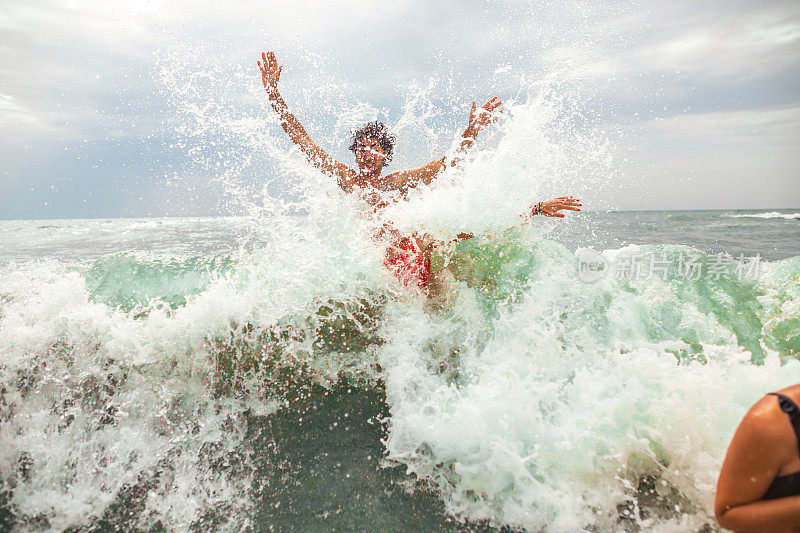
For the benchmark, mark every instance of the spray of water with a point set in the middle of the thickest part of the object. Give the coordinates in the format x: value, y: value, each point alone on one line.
x: 531, y: 400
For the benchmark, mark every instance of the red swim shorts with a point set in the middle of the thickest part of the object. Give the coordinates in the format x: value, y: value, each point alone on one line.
x: 409, y: 263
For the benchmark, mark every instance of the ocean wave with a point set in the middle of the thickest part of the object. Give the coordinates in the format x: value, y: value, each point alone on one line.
x: 127, y: 280
x: 531, y: 400
x: 771, y: 214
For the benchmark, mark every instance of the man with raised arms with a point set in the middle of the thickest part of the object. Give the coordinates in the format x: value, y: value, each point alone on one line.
x: 409, y: 256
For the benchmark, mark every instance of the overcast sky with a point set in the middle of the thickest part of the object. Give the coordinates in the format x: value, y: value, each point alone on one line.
x: 701, y: 98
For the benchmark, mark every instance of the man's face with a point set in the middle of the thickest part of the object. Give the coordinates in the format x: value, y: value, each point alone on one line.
x: 370, y: 155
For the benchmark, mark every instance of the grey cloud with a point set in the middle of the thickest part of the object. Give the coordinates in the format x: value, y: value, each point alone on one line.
x: 74, y: 72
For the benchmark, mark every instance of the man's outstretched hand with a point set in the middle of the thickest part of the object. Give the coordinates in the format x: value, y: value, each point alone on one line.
x: 270, y: 72
x: 481, y: 117
x: 552, y: 207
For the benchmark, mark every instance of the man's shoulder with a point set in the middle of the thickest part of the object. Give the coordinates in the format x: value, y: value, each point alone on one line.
x: 345, y: 177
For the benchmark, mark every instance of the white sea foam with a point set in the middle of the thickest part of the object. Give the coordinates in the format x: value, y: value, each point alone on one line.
x: 533, y: 400
x: 102, y: 402
x: 551, y: 417
x: 536, y: 400
x: 770, y: 214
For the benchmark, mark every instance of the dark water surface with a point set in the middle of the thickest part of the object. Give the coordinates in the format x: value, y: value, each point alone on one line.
x: 320, y: 468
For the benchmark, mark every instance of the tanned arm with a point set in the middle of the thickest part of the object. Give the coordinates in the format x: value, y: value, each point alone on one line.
x: 550, y: 208
x: 478, y: 120
x: 755, y: 455
x: 270, y: 74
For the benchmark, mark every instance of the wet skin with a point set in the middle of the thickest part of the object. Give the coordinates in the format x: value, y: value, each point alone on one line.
x: 371, y: 158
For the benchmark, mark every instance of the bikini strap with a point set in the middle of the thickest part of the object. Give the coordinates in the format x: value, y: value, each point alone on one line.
x: 791, y: 409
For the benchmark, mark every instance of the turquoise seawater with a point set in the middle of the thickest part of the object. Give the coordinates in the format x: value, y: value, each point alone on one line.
x: 195, y: 373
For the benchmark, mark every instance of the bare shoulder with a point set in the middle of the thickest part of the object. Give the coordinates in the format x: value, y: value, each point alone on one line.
x: 346, y: 177
x: 768, y: 407
x: 766, y: 421
x: 345, y: 172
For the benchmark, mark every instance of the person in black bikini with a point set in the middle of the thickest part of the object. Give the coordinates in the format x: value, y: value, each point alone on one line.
x: 759, y: 484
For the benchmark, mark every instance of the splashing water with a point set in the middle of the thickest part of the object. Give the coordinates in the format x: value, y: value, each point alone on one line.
x: 135, y: 385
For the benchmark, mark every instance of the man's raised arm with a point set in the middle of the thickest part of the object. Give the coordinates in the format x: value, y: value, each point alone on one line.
x: 270, y: 74
x: 478, y: 120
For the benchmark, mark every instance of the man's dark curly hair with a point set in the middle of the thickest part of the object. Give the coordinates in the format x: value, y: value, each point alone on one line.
x: 376, y: 130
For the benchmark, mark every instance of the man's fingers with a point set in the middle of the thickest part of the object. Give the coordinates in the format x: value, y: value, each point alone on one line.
x: 565, y: 200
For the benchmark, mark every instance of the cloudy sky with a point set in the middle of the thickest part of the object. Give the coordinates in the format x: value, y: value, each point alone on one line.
x: 99, y: 102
